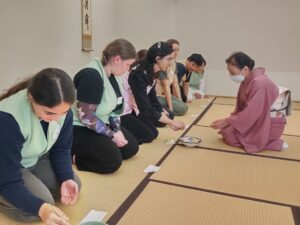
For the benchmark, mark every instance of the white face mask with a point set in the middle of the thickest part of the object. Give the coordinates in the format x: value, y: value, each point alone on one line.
x: 237, y: 78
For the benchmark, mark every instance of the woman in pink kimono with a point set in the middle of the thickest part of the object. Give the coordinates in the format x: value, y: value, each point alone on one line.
x: 251, y: 125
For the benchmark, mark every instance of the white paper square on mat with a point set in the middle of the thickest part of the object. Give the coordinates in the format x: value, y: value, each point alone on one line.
x: 170, y: 142
x: 151, y: 169
x: 93, y: 215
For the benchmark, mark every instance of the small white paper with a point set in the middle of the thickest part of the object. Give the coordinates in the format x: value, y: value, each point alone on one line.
x: 203, y: 106
x: 170, y: 142
x: 93, y: 215
x: 151, y: 169
x: 194, y: 115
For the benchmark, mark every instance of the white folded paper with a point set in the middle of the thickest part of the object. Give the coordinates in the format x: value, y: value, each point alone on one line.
x: 170, y: 141
x: 93, y: 215
x: 151, y: 169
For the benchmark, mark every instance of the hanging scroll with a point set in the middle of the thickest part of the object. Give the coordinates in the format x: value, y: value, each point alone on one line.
x: 86, y: 25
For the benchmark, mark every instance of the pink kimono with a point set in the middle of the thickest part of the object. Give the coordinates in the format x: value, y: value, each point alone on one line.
x: 251, y: 125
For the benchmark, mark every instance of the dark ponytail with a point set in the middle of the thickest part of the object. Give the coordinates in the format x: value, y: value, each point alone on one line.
x: 159, y: 49
x: 49, y: 88
x: 240, y: 59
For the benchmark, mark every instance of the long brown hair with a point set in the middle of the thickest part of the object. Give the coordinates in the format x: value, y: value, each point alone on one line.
x: 49, y: 87
x: 14, y: 89
x: 173, y: 41
x: 120, y: 47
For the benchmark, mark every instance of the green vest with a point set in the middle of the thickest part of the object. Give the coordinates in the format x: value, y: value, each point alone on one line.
x: 109, y: 99
x: 35, y: 143
x: 195, y: 80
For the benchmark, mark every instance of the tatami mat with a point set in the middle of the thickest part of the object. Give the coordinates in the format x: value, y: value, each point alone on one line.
x: 195, y: 109
x: 107, y: 192
x: 217, y: 111
x: 296, y: 105
x: 162, y: 204
x: 211, y: 139
x: 225, y: 101
x: 293, y: 123
x: 256, y: 177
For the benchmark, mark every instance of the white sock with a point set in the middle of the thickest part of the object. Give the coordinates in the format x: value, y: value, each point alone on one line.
x: 285, y: 145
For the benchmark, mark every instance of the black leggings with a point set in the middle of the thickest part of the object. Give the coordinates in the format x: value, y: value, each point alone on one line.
x: 154, y: 124
x: 139, y: 130
x: 171, y: 116
x: 98, y: 153
x: 183, y: 96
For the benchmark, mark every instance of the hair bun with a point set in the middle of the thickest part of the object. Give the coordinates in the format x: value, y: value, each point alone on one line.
x: 251, y: 64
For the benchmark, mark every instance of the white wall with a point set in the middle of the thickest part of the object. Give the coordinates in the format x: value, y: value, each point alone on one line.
x: 37, y: 33
x: 218, y: 83
x: 144, y: 22
x: 268, y: 30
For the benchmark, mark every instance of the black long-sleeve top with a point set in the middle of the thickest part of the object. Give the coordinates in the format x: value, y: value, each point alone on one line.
x: 147, y: 103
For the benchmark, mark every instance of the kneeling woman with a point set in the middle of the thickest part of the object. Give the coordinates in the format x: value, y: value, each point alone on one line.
x: 35, y: 148
x: 251, y: 125
x: 100, y: 142
x: 142, y: 80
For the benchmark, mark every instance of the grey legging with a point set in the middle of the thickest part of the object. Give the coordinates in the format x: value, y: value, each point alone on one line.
x: 42, y: 182
x: 179, y: 107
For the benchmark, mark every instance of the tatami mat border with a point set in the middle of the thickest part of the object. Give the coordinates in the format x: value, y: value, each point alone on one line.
x: 222, y: 193
x: 117, y: 216
x: 119, y: 213
x: 245, y: 153
x: 296, y: 215
x: 185, y: 132
x: 295, y: 209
